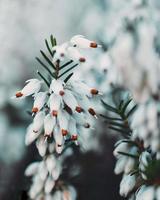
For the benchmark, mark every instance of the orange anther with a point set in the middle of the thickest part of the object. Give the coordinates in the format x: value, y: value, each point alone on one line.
x: 92, y: 111
x: 93, y: 45
x: 61, y: 92
x: 82, y: 59
x: 19, y: 94
x: 35, y: 109
x: 79, y: 109
x: 74, y: 137
x: 54, y: 113
x: 94, y: 91
x: 64, y: 132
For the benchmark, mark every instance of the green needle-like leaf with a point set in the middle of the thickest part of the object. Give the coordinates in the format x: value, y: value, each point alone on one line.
x: 67, y: 70
x: 47, y: 59
x: 108, y: 107
x: 43, y: 78
x: 120, y: 105
x: 126, y: 141
x: 53, y: 41
x: 111, y: 118
x: 119, y: 125
x: 68, y: 77
x: 47, y: 45
x: 63, y: 66
x: 128, y: 154
x: 125, y: 106
x: 132, y: 111
x: 45, y: 66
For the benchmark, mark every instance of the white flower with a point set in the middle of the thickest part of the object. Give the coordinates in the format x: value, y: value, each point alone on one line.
x: 58, y: 139
x: 158, y: 193
x: 69, y: 193
x: 42, y: 172
x: 50, y: 163
x: 39, y: 101
x: 127, y: 184
x: 120, y: 164
x: 60, y: 52
x: 63, y: 120
x: 57, y: 86
x: 36, y: 188
x: 30, y: 135
x: 54, y: 103
x: 57, y: 195
x: 81, y: 42
x: 73, y: 130
x: 49, y: 185
x: 70, y: 100
x: 38, y: 121
x: 56, y: 172
x: 144, y: 161
x: 122, y: 147
x: 32, y: 87
x: 41, y: 146
x: 49, y: 123
x: 83, y: 89
x: 75, y: 55
x: 32, y: 169
x: 146, y: 193
x: 87, y: 105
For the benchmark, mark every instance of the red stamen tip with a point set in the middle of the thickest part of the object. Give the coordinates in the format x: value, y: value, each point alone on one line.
x: 35, y: 109
x: 92, y: 111
x: 93, y: 45
x: 19, y: 94
x: 94, y: 91
x: 62, y: 54
x: 74, y: 137
x: 82, y: 59
x: 61, y: 92
x: 54, y: 113
x: 64, y: 132
x: 79, y: 109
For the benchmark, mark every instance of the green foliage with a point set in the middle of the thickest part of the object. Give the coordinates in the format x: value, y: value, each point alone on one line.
x: 54, y: 70
x: 120, y: 121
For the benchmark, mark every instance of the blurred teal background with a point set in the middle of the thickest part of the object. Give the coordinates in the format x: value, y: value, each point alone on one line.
x: 24, y: 24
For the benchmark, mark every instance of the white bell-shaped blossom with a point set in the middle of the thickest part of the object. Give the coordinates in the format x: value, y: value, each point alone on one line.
x: 41, y: 146
x: 127, y: 184
x: 32, y: 87
x: 49, y: 185
x: 63, y: 120
x: 38, y: 121
x: 81, y: 42
x: 58, y: 139
x: 30, y: 135
x: 83, y: 89
x: 70, y: 100
x: 39, y: 101
x: 74, y: 54
x: 60, y: 52
x: 146, y: 193
x: 49, y: 123
x: 32, y: 169
x: 57, y: 86
x: 54, y: 103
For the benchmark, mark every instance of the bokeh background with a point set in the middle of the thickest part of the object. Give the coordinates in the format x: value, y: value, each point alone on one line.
x: 24, y: 24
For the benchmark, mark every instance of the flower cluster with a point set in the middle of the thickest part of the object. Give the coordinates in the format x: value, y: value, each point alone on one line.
x: 135, y: 57
x: 60, y: 111
x: 59, y: 114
